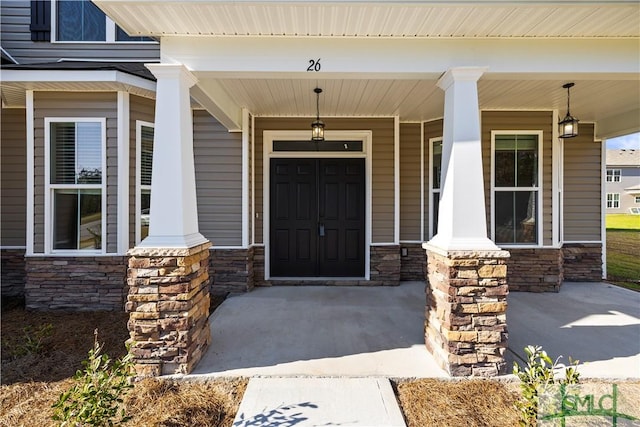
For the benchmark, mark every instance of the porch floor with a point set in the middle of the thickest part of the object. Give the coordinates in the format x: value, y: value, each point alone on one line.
x: 378, y: 331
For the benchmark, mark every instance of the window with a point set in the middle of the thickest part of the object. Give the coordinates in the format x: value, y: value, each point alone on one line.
x: 613, y: 200
x: 637, y: 199
x: 75, y: 184
x: 435, y: 169
x: 613, y: 175
x: 516, y: 187
x: 144, y: 155
x: 82, y: 21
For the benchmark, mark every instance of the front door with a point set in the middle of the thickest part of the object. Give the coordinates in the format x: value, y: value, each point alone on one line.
x: 317, y: 218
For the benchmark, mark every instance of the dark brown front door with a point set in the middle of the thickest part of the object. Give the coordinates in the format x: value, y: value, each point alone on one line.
x: 317, y: 218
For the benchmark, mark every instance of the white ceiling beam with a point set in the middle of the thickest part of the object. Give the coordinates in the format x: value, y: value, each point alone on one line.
x: 254, y: 57
x: 618, y: 125
x: 213, y: 98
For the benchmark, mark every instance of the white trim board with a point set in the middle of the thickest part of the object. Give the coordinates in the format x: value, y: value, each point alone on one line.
x: 366, y: 136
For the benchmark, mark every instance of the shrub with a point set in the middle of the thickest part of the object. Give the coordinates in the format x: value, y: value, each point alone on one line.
x: 97, y: 395
x: 538, y: 373
x: 32, y: 341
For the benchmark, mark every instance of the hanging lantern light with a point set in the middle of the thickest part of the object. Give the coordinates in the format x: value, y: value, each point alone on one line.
x: 568, y: 127
x: 317, y: 127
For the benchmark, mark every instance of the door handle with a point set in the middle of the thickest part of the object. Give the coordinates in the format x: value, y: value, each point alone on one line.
x: 321, y: 230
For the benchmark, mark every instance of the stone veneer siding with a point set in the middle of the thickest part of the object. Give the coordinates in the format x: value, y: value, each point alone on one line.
x: 231, y: 270
x: 582, y: 262
x: 75, y: 283
x: 12, y: 272
x: 168, y: 305
x: 385, y: 265
x: 466, y: 321
x: 535, y: 270
x: 413, y: 266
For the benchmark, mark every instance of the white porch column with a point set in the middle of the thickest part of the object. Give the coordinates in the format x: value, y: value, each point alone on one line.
x: 173, y: 221
x: 462, y: 216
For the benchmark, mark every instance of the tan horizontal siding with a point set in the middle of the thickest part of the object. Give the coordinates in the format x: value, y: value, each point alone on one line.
x: 410, y: 185
x: 218, y: 165
x: 521, y: 121
x: 382, y: 215
x: 13, y: 178
x: 582, y: 187
x: 142, y: 109
x: 76, y: 104
x: 432, y: 129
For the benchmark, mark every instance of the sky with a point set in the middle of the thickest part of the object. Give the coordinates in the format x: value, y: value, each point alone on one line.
x: 627, y: 141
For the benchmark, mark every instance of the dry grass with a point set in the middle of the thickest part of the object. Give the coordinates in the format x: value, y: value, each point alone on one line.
x: 432, y: 402
x: 31, y: 383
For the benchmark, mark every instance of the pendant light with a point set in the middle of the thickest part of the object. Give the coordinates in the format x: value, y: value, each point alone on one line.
x: 317, y: 127
x: 568, y: 127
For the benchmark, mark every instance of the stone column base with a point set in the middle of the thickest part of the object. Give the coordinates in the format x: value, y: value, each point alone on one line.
x: 466, y: 323
x: 168, y: 302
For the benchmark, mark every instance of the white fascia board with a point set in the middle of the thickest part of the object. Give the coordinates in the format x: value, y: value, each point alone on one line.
x: 238, y: 57
x: 219, y: 104
x: 76, y: 76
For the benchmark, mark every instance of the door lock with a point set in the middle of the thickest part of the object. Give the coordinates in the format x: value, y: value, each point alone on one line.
x: 321, y: 229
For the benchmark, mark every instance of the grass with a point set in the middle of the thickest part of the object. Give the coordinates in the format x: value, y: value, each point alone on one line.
x: 622, y: 222
x: 31, y: 382
x: 623, y: 247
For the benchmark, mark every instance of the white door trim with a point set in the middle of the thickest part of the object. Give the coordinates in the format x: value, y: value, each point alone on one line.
x: 268, y: 137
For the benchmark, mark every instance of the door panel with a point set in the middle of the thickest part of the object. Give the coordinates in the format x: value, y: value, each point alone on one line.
x: 318, y: 217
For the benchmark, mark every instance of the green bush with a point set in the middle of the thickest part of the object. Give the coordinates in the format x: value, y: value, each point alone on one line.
x: 96, y: 397
x: 538, y: 373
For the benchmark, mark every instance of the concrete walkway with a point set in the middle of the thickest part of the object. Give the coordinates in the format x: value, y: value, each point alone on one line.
x: 324, y: 355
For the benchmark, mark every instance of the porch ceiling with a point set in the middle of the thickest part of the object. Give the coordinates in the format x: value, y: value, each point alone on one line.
x: 377, y: 18
x: 414, y: 100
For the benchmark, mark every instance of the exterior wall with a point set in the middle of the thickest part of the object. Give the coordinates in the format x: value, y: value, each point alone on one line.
x: 75, y: 283
x: 382, y: 215
x: 13, y: 273
x: 582, y: 262
x: 13, y: 166
x: 521, y: 121
x: 410, y: 182
x: 76, y: 104
x: 535, y: 269
x: 15, y: 19
x: 218, y: 165
x: 231, y: 270
x: 142, y: 109
x: 582, y: 200
x: 629, y: 177
x: 412, y: 265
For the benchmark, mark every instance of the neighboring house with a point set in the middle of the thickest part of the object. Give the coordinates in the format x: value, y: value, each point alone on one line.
x: 623, y: 181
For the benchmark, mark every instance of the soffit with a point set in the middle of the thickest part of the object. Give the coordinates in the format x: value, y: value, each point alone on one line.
x: 415, y: 100
x: 438, y: 19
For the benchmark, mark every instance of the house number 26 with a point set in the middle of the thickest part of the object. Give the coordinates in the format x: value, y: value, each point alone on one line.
x: 314, y: 65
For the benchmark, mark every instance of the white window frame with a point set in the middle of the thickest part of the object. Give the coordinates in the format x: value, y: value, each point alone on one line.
x: 615, y: 176
x: 539, y: 188
x: 50, y: 188
x: 636, y: 199
x: 614, y: 203
x: 110, y: 31
x: 139, y: 186
x: 432, y: 191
